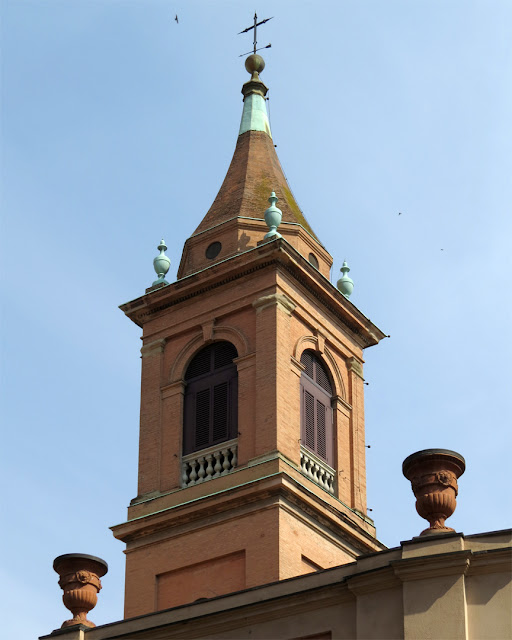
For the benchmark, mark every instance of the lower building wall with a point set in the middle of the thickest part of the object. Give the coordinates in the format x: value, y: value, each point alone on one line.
x: 489, y: 603
x: 337, y: 621
x: 445, y: 587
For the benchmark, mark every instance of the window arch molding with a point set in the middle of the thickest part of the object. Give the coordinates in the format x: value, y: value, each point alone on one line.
x: 311, y: 342
x: 224, y: 332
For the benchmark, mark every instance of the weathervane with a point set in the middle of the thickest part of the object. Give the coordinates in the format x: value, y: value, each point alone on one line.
x: 255, y: 43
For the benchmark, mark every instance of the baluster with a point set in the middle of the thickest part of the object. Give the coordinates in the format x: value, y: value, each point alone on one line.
x: 184, y: 477
x: 209, y: 468
x: 225, y: 463
x: 193, y: 473
x: 218, y: 466
x: 201, y: 473
x: 234, y: 459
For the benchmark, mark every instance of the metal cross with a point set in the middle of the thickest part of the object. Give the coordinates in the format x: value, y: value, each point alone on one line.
x: 255, y: 42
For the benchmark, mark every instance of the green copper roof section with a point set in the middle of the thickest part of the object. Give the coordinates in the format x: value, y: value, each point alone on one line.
x: 254, y: 115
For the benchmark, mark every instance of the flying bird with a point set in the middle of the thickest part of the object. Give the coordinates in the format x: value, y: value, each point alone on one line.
x: 176, y: 18
x: 399, y: 213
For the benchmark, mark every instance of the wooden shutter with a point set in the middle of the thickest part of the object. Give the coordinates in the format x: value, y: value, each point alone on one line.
x: 203, y: 412
x: 309, y: 420
x: 316, y: 413
x: 211, y: 398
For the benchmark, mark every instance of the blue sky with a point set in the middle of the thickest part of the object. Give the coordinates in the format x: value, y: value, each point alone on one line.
x: 118, y: 126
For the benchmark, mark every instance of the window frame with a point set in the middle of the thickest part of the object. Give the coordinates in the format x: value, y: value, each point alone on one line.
x: 227, y: 374
x: 322, y: 446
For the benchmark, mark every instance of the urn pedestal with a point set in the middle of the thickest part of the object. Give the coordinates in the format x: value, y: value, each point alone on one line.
x: 80, y: 580
x: 433, y: 474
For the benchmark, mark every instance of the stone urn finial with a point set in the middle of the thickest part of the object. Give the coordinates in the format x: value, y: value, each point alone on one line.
x: 345, y: 284
x: 273, y: 217
x: 433, y: 474
x: 161, y: 265
x: 80, y: 580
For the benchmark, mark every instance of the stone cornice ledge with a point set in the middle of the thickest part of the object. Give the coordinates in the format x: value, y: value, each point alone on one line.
x: 491, y: 561
x: 373, y: 580
x: 444, y: 564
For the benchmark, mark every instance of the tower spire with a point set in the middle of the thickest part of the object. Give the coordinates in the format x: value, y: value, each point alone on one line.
x: 254, y: 173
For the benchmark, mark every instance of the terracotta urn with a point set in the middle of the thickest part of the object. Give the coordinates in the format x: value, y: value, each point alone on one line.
x: 80, y: 580
x: 433, y: 474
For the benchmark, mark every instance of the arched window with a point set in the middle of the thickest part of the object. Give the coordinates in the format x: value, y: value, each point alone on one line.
x: 211, y: 397
x: 316, y: 412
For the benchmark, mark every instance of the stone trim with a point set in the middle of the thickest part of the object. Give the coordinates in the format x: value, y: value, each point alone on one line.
x: 153, y: 348
x: 208, y: 329
x: 320, y: 341
x: 490, y: 561
x: 172, y: 389
x: 297, y: 367
x: 424, y: 567
x: 342, y: 405
x: 354, y: 365
x: 374, y: 580
x: 274, y: 299
x: 244, y: 362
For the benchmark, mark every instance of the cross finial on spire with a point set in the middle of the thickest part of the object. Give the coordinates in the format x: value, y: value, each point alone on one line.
x: 255, y: 41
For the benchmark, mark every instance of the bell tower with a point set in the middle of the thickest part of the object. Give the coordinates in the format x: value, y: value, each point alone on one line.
x: 251, y: 452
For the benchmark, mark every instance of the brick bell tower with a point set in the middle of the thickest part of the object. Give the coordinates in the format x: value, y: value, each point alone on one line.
x: 251, y: 455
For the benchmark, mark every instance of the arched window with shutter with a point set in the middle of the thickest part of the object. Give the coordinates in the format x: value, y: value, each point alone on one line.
x: 316, y: 411
x: 211, y: 398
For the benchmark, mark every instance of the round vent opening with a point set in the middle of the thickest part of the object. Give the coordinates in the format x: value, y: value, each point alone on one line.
x: 213, y: 250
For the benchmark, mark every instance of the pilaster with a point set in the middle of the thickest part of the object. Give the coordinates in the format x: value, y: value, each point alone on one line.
x: 434, y: 595
x: 275, y: 410
x: 149, y: 440
x: 357, y: 445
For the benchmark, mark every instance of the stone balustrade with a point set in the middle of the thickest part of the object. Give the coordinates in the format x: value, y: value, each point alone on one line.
x: 210, y: 463
x: 317, y: 470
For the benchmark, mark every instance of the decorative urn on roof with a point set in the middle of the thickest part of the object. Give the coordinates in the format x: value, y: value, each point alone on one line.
x: 433, y: 474
x: 80, y: 580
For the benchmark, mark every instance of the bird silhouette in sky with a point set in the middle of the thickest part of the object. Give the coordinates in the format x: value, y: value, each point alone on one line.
x: 399, y: 213
x: 176, y: 18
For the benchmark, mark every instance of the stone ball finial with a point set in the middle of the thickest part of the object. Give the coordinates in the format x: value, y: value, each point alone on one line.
x: 161, y: 264
x: 254, y: 63
x: 79, y: 578
x: 273, y: 217
x: 345, y: 284
x: 433, y: 474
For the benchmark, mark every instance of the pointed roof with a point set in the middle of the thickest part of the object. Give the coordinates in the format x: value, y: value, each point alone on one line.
x: 255, y: 170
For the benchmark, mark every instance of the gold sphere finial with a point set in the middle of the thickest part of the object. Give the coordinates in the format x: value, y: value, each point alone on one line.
x: 254, y: 63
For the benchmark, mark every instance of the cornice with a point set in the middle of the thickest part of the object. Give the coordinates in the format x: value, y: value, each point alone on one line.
x: 374, y: 580
x: 421, y: 567
x: 491, y: 561
x: 275, y: 253
x: 251, y: 495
